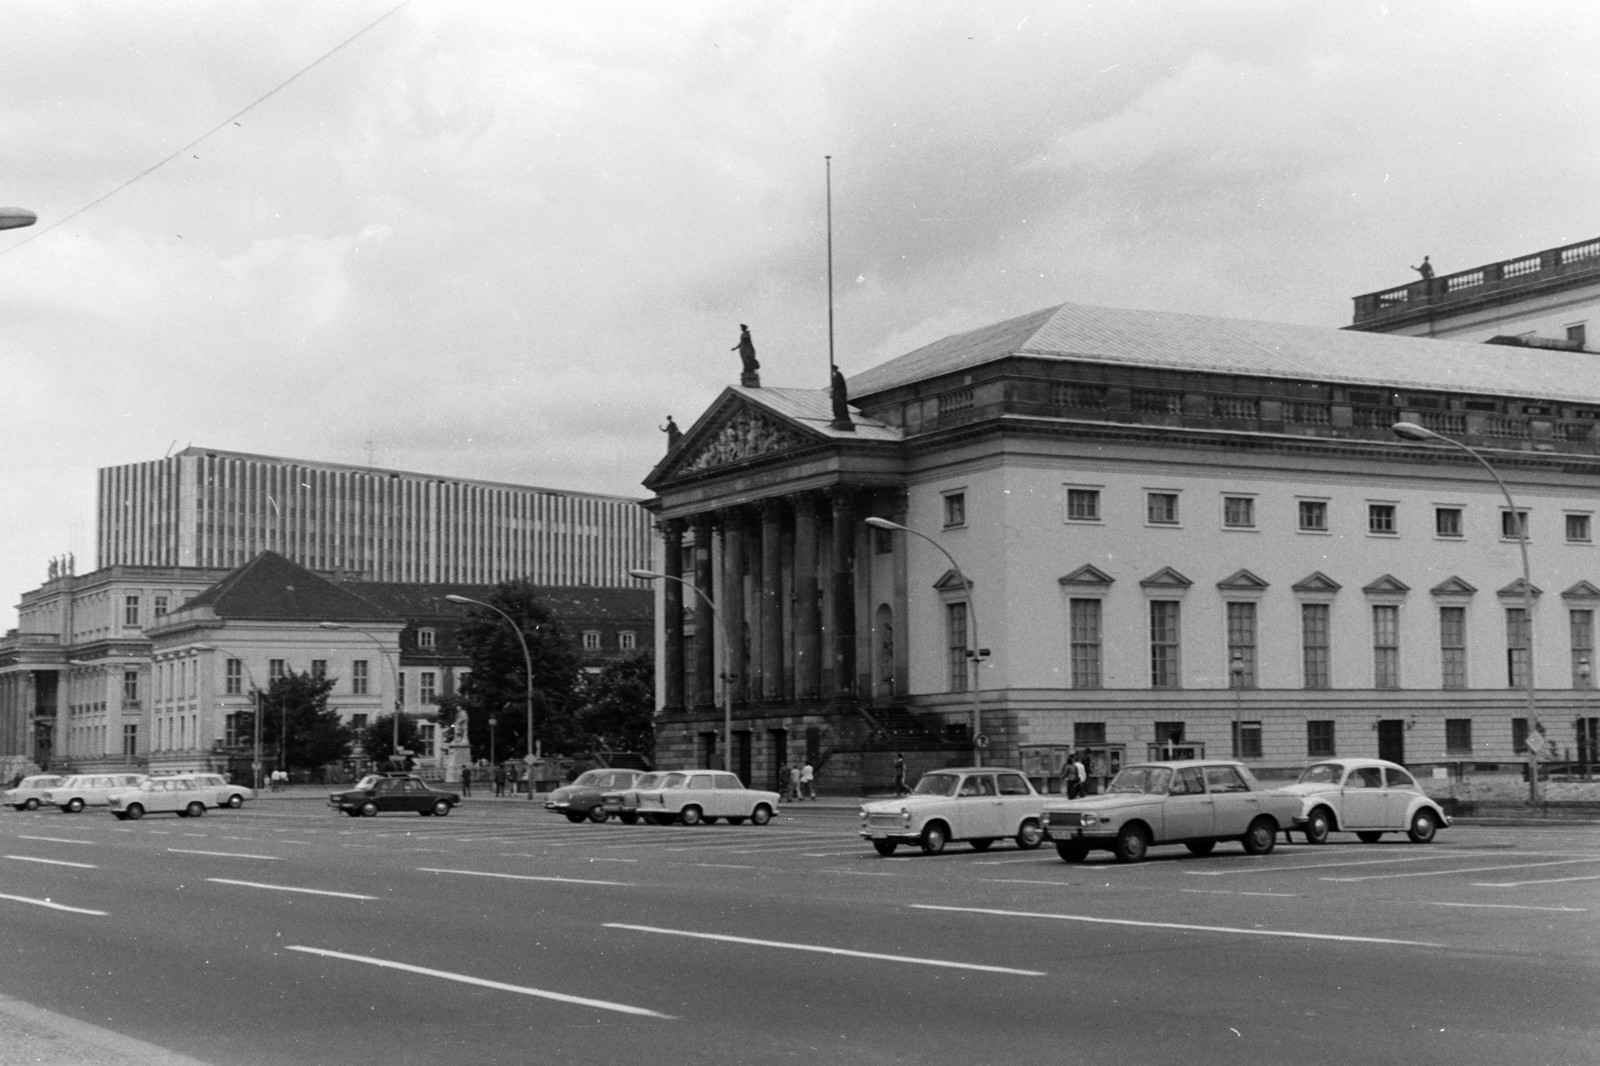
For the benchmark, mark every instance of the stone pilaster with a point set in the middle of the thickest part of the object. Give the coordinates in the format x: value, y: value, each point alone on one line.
x: 808, y: 619
x: 842, y: 633
x: 705, y: 624
x: 731, y: 602
x: 672, y: 612
x: 771, y: 602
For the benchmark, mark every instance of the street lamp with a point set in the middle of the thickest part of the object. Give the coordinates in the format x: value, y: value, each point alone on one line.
x: 727, y: 660
x: 976, y: 654
x: 527, y: 661
x: 16, y: 217
x: 492, y: 763
x: 255, y: 712
x: 394, y: 674
x: 1412, y: 432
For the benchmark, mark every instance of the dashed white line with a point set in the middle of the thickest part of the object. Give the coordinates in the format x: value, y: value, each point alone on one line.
x: 1255, y: 869
x: 859, y: 873
x: 724, y: 866
x: 1231, y: 892
x: 1178, y: 925
x: 821, y: 949
x: 1468, y: 870
x: 54, y: 840
x: 52, y: 906
x: 54, y: 862
x: 289, y: 888
x: 523, y: 877
x: 1519, y: 884
x: 559, y: 997
x: 1508, y: 906
x: 225, y: 854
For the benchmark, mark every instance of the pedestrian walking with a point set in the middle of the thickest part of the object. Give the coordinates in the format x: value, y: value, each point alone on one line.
x: 499, y: 780
x: 1079, y: 776
x: 784, y: 775
x: 807, y: 774
x: 466, y: 781
x: 899, y: 774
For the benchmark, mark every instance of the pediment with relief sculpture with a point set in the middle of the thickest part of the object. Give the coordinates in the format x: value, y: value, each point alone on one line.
x: 745, y: 432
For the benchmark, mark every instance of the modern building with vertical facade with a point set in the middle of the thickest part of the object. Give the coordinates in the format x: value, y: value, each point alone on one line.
x: 1182, y: 535
x: 208, y: 508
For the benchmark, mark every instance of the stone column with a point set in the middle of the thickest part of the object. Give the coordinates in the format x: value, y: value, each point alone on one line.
x: 672, y: 613
x: 771, y: 602
x: 731, y: 601
x: 705, y: 624
x: 808, y: 620
x: 843, y: 630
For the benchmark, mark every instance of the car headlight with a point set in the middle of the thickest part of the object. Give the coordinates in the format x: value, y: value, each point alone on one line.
x: 1089, y: 819
x: 905, y: 815
x: 863, y: 816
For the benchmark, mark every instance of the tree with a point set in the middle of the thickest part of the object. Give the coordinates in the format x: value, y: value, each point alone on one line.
x: 618, y: 708
x: 377, y: 740
x: 299, y: 703
x: 497, y: 686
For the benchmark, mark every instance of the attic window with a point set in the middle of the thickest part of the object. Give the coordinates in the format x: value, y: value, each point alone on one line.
x: 426, y: 638
x: 1481, y: 405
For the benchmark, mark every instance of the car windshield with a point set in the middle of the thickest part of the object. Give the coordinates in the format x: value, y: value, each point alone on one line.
x: 370, y: 781
x: 936, y: 785
x: 648, y: 781
x: 593, y: 777
x: 1322, y: 773
x: 1150, y: 780
x: 673, y: 781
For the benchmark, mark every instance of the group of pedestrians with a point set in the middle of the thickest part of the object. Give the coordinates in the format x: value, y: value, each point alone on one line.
x: 277, y: 780
x: 796, y: 784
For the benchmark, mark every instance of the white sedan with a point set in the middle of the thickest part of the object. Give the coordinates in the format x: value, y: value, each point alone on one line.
x: 176, y: 795
x: 31, y: 791
x: 1369, y: 797
x: 700, y: 797
x: 979, y: 805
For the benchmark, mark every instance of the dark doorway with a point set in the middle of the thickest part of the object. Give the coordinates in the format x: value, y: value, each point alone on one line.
x: 708, y: 751
x: 780, y: 754
x: 741, y: 756
x: 1588, y: 743
x: 1392, y: 740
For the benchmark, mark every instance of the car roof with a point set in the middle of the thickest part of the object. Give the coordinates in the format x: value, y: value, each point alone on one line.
x: 1176, y: 764
x: 975, y: 770
x: 1356, y: 762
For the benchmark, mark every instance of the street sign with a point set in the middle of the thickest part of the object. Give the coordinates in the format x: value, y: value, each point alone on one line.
x: 529, y: 759
x: 981, y: 740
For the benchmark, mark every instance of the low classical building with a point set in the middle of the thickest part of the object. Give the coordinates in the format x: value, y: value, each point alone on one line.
x: 1174, y: 534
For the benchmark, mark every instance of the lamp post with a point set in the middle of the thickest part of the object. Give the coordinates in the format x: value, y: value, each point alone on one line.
x: 394, y: 675
x: 255, y: 710
x: 1410, y: 431
x: 527, y: 661
x: 727, y: 661
x: 492, y: 763
x: 977, y: 653
x: 16, y: 217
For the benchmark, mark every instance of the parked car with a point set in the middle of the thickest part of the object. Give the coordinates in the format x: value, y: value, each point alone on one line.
x: 393, y: 792
x: 977, y: 804
x: 700, y: 797
x: 624, y: 803
x: 584, y: 798
x: 88, y: 790
x: 220, y: 792
x: 1193, y: 802
x: 1369, y: 797
x: 180, y: 795
x: 30, y: 791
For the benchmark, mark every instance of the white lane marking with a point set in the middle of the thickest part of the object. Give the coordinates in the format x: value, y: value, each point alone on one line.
x: 294, y: 842
x: 54, y: 862
x: 612, y: 860
x: 225, y: 854
x: 1230, y: 892
x: 829, y: 854
x: 196, y: 834
x: 559, y: 997
x: 1021, y: 881
x: 1506, y: 906
x: 1312, y: 866
x: 374, y: 847
x: 159, y: 832
x: 57, y: 840
x: 826, y: 950
x: 724, y: 866
x: 1179, y: 925
x: 1469, y: 870
x: 523, y: 877
x: 1519, y: 884
x: 1008, y: 862
x: 247, y: 840
x: 858, y: 873
x: 289, y: 888
x: 52, y: 906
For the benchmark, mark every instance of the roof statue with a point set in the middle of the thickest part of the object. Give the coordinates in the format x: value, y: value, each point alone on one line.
x: 748, y: 376
x: 674, y: 434
x: 841, y: 404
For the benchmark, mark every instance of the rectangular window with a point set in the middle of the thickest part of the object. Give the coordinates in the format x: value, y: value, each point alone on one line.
x: 358, y: 721
x: 1578, y: 334
x: 130, y: 739
x: 1385, y: 646
x: 1246, y: 740
x: 161, y: 606
x: 626, y: 640
x: 425, y: 687
x: 233, y: 730
x: 956, y: 642
x: 1453, y: 646
x: 1582, y: 623
x: 1083, y: 505
x: 1164, y: 646
x: 1314, y: 516
x: 130, y: 610
x: 1447, y: 522
x: 1509, y: 525
x: 234, y: 679
x: 1239, y: 512
x: 275, y: 669
x: 1241, y: 645
x: 319, y: 669
x: 1380, y: 519
x: 955, y: 509
x: 1314, y: 645
x: 882, y: 541
x: 1519, y: 735
x: 1458, y: 736
x: 1516, y: 647
x: 591, y: 640
x: 1319, y: 739
x: 427, y: 637
x: 1578, y: 529
x: 1169, y: 732
x: 1086, y: 644
x: 130, y: 686
x: 358, y: 677
x: 1086, y: 733
x: 1161, y: 508
x: 400, y: 693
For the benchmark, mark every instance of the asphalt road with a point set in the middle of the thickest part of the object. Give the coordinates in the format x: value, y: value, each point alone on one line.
x: 284, y: 933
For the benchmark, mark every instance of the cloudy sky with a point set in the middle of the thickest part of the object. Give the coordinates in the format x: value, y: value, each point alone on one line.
x: 504, y: 240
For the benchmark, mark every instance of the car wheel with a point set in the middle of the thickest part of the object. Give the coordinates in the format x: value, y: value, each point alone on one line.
x: 1319, y: 825
x: 981, y: 844
x: 74, y: 805
x: 195, y: 809
x: 369, y: 809
x: 236, y: 801
x: 19, y: 806
x: 32, y: 805
x: 1030, y: 835
x: 629, y: 817
x: 1423, y: 825
x: 441, y: 807
x: 934, y: 838
x: 690, y: 815
x: 597, y: 814
x: 353, y: 814
x: 885, y: 847
x: 135, y: 811
x: 575, y: 816
x: 120, y: 816
x: 1072, y: 850
x: 761, y: 815
x: 1201, y: 847
x: 1369, y: 836
x: 1261, y: 837
x: 1131, y: 844
x: 735, y: 821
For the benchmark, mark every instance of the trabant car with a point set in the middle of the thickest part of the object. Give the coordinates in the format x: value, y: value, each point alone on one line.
x: 977, y: 804
x: 180, y: 795
x: 30, y: 791
x: 700, y: 797
x: 393, y: 792
x: 584, y: 798
x: 624, y: 803
x: 88, y: 790
x: 219, y: 792
x: 1192, y: 802
x: 1369, y: 797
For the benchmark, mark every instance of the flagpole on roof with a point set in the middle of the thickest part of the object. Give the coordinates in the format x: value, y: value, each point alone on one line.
x: 827, y: 161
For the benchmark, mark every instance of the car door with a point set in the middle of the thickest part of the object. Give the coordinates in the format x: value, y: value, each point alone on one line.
x: 1400, y: 790
x: 978, y: 808
x: 1018, y: 801
x: 700, y: 791
x: 1234, y: 806
x: 389, y: 795
x: 1187, y: 812
x: 1363, y: 801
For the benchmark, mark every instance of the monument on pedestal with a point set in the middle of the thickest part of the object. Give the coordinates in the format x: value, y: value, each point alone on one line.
x: 457, y: 748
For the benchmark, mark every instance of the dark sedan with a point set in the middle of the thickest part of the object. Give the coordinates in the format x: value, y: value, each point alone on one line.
x: 582, y: 798
x: 393, y: 792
